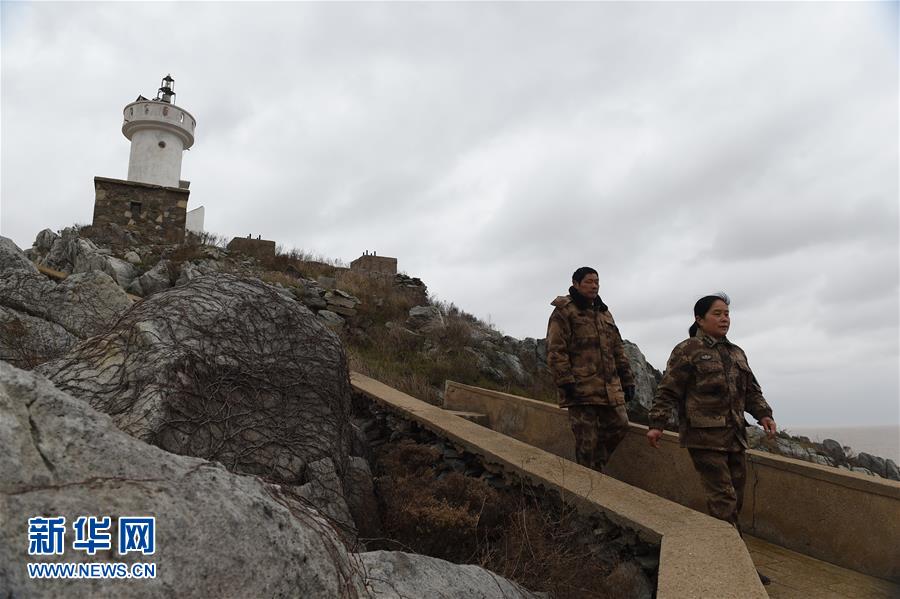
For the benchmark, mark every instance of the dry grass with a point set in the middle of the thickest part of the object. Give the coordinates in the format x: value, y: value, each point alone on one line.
x: 464, y: 520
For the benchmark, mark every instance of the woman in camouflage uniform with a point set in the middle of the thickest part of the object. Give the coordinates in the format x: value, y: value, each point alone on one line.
x: 709, y: 382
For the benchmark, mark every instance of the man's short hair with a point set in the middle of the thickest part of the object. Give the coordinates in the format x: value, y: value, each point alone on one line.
x: 582, y: 273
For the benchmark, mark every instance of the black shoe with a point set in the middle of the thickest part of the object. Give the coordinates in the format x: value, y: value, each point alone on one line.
x: 763, y: 578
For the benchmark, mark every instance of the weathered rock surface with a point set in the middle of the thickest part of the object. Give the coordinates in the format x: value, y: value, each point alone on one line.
x: 425, y: 318
x: 396, y: 575
x: 221, y: 368
x: 72, y: 254
x: 12, y: 258
x: 26, y: 341
x: 645, y: 379
x: 83, y: 304
x: 153, y: 281
x: 42, y: 319
x: 217, y: 534
x: 834, y: 450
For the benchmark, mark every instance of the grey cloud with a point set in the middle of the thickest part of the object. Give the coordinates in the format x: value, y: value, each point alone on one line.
x: 494, y: 147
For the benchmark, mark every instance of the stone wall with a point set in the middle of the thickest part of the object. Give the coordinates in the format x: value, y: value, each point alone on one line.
x: 156, y: 213
x: 258, y: 248
x: 375, y: 264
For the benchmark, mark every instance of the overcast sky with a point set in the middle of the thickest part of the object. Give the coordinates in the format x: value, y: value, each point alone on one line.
x: 678, y: 148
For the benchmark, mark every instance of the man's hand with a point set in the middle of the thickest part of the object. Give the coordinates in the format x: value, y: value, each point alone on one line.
x: 629, y: 393
x: 769, y: 426
x: 653, y: 436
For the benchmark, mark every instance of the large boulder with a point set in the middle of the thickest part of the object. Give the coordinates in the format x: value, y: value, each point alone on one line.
x: 12, y: 258
x: 26, y: 341
x: 154, y: 280
x: 834, y: 450
x: 872, y: 462
x: 70, y: 253
x: 425, y: 319
x: 645, y: 379
x: 221, y: 368
x: 216, y: 534
x: 396, y: 575
x: 83, y: 304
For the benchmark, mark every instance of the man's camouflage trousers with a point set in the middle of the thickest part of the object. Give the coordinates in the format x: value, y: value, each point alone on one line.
x: 598, y: 430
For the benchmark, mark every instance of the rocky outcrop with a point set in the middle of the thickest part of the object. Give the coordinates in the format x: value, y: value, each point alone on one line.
x: 71, y: 254
x: 396, y: 575
x: 12, y: 258
x: 425, y: 318
x: 645, y: 378
x: 83, y: 304
x: 40, y: 319
x: 156, y: 279
x: 217, y: 534
x: 221, y: 368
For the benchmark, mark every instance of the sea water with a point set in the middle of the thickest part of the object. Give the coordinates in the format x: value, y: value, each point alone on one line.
x: 881, y: 440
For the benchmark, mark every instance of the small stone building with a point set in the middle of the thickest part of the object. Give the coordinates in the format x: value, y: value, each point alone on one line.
x: 371, y: 263
x: 155, y: 212
x: 258, y: 248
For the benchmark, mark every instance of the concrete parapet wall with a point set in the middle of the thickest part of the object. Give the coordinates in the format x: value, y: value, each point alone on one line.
x: 700, y: 557
x: 842, y: 517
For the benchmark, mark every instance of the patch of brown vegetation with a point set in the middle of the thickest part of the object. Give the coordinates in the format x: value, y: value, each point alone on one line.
x: 464, y: 520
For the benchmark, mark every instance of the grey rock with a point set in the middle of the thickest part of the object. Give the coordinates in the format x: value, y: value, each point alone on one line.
x: 834, y: 450
x: 861, y: 470
x: 132, y: 257
x: 359, y: 492
x: 87, y: 257
x: 13, y: 258
x: 397, y: 575
x: 821, y: 460
x: 26, y: 341
x: 645, y: 379
x: 425, y: 318
x: 216, y: 534
x: 891, y: 470
x: 341, y: 299
x: 189, y: 272
x: 153, y: 281
x: 44, y: 241
x: 330, y: 319
x: 871, y: 462
x: 326, y: 282
x: 515, y: 368
x: 341, y: 310
x: 221, y: 368
x: 83, y: 304
x: 325, y: 491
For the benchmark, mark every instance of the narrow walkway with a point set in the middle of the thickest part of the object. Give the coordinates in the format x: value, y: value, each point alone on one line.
x: 798, y: 576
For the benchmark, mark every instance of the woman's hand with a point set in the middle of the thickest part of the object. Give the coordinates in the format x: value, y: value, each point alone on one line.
x: 653, y: 436
x: 769, y: 426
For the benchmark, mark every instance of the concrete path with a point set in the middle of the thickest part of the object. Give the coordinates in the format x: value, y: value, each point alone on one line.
x: 798, y: 576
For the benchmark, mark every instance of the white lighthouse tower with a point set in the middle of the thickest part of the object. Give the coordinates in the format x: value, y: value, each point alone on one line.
x: 159, y: 132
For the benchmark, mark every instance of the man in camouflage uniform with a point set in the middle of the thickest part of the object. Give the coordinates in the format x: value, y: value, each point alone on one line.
x: 709, y: 382
x: 587, y: 358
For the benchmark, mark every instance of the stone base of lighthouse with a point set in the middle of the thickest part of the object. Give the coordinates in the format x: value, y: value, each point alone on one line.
x: 156, y: 213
